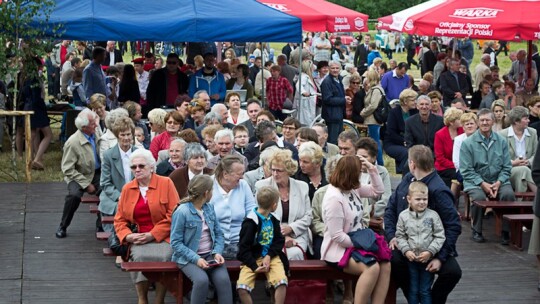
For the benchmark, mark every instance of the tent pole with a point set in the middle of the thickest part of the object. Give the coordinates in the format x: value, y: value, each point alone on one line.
x: 529, y: 59
x: 262, y: 79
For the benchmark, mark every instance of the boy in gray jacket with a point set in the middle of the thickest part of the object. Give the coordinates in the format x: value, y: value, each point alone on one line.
x: 420, y: 236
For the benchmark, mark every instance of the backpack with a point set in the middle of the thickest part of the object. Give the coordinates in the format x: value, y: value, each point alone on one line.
x: 381, y: 113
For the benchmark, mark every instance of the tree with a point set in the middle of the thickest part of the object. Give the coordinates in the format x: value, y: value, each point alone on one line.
x: 23, y: 24
x: 377, y: 8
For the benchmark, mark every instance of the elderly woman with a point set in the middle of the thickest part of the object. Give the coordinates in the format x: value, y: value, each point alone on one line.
x: 115, y: 167
x: 469, y: 125
x: 436, y: 103
x: 371, y: 102
x: 236, y: 115
x: 240, y: 80
x: 173, y: 124
x: 355, y: 85
x: 345, y: 193
x: 376, y: 65
x: 499, y: 109
x: 97, y: 104
x: 196, y: 159
x: 108, y: 139
x: 148, y: 202
x: 444, y: 144
x: 522, y: 144
x: 263, y: 171
x: 135, y: 113
x: 196, y: 110
x: 232, y: 200
x: 294, y: 208
x: 310, y: 158
x: 394, y: 140
x: 175, y: 159
x: 156, y: 120
x: 306, y: 94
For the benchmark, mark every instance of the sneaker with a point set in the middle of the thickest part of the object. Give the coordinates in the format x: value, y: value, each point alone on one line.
x: 478, y: 237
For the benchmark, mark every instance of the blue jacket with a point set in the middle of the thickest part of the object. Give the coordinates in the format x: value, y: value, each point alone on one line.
x: 186, y: 230
x: 333, y: 100
x: 372, y: 55
x: 216, y: 85
x: 440, y: 200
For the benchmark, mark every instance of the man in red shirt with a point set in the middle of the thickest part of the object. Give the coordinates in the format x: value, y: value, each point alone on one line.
x: 166, y: 84
x: 278, y: 89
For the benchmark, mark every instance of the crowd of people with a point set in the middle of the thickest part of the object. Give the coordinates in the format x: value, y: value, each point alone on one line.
x: 192, y: 176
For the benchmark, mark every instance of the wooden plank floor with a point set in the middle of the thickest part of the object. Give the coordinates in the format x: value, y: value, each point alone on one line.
x: 36, y: 267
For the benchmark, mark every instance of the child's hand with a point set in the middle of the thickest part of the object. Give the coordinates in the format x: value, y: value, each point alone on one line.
x: 219, y: 258
x: 266, y: 262
x: 261, y: 269
x: 410, y: 256
x: 424, y: 257
x: 202, y: 263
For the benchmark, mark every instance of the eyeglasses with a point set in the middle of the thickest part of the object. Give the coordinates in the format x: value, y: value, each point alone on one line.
x: 140, y: 166
x: 172, y: 122
x: 355, y: 82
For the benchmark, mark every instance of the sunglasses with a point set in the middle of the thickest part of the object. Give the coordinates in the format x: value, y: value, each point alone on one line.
x: 140, y: 166
x: 355, y: 82
x: 172, y: 62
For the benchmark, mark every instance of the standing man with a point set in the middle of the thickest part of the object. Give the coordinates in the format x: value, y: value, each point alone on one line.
x: 58, y: 59
x: 113, y: 55
x: 485, y: 165
x: 360, y: 55
x: 93, y: 76
x: 518, y: 70
x: 491, y: 52
x: 430, y: 58
x: 333, y: 102
x: 466, y: 47
x: 395, y: 81
x: 287, y: 71
x: 482, y: 69
x: 81, y: 165
x: 321, y: 48
x: 453, y: 84
x: 410, y: 46
x: 143, y: 78
x: 166, y: 84
x: 278, y: 89
x: 209, y: 79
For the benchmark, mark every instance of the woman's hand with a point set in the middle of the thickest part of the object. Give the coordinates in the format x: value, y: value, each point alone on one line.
x: 202, y: 263
x: 219, y: 258
x: 366, y: 164
x: 286, y: 229
x: 290, y: 242
x: 140, y: 238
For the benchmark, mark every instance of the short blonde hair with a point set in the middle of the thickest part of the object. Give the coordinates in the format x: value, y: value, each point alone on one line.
x: 267, y: 196
x: 284, y: 157
x: 407, y: 94
x: 451, y: 115
x: 468, y: 116
x: 498, y: 103
x: 313, y: 151
x: 418, y: 187
x: 97, y: 101
x: 157, y: 117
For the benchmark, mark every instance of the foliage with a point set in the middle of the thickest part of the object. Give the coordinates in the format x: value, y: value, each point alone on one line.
x: 377, y: 8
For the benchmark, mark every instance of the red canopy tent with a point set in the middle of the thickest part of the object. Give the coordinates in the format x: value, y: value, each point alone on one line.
x: 478, y: 19
x: 320, y: 15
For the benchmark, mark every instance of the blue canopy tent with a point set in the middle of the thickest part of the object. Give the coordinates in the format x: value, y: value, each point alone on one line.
x: 174, y: 20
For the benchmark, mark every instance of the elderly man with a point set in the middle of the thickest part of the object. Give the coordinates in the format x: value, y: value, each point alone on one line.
x: 265, y: 132
x: 253, y: 108
x: 430, y: 58
x: 453, y: 84
x: 485, y: 165
x: 492, y: 54
x: 346, y: 141
x: 224, y: 140
x: 395, y: 81
x: 440, y: 200
x: 423, y: 87
x: 321, y: 48
x: 518, y: 70
x: 334, y: 101
x: 203, y: 95
x: 221, y: 110
x: 482, y: 69
x: 81, y: 165
x: 329, y: 149
x: 209, y: 79
x: 528, y: 92
x: 93, y: 76
x: 113, y: 55
x: 287, y: 71
x: 143, y: 77
x: 420, y: 128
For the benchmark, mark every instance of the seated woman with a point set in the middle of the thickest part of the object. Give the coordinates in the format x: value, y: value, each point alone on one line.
x: 311, y: 171
x: 345, y: 193
x: 240, y: 80
x: 97, y: 104
x: 236, y: 114
x: 436, y: 103
x: 148, y: 202
x: 196, y: 110
x: 197, y: 241
x: 175, y: 159
x: 499, y: 110
x: 156, y: 120
x: 173, y: 124
x: 108, y: 139
x: 522, y: 142
x: 444, y: 145
x: 232, y: 200
x: 482, y: 91
x: 196, y: 159
x: 394, y: 141
x: 294, y: 208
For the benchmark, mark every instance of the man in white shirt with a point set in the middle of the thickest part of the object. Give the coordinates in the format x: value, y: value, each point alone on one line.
x: 113, y: 56
x: 143, y: 77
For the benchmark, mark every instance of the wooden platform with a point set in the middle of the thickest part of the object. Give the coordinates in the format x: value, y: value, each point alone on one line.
x: 36, y: 267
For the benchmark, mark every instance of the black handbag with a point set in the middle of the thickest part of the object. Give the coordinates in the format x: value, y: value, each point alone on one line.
x: 118, y: 248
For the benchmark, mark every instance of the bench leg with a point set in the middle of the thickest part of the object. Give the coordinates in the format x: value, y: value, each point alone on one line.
x: 516, y: 235
x: 391, y: 295
x: 173, y: 282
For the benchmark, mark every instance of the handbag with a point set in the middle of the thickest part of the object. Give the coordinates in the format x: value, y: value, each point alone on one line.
x: 118, y: 248
x: 305, y: 291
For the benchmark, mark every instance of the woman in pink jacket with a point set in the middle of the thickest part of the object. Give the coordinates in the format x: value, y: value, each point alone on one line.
x: 343, y: 212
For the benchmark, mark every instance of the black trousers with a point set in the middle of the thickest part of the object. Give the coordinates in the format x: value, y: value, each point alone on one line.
x: 73, y: 199
x: 447, y: 277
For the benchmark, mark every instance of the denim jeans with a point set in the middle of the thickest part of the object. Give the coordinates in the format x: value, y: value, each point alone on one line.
x: 374, y: 133
x: 420, y: 286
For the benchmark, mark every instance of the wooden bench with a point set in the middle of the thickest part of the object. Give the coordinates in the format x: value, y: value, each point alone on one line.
x: 526, y: 196
x: 90, y: 199
x: 107, y: 219
x: 108, y: 252
x: 169, y: 274
x: 517, y: 221
x: 93, y: 209
x: 103, y: 236
x: 505, y: 207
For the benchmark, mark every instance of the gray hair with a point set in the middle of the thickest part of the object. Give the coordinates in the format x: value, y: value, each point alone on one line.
x: 217, y: 107
x: 83, y: 118
x: 516, y: 114
x: 224, y: 133
x: 146, y: 155
x: 349, y: 66
x: 179, y: 141
x: 485, y: 56
x: 423, y: 97
x: 194, y: 149
x: 333, y: 62
x: 331, y: 165
x: 210, y: 116
x: 486, y: 111
x: 199, y: 92
x: 114, y: 115
x: 267, y: 154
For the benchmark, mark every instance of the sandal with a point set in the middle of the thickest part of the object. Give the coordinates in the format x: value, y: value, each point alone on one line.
x: 37, y: 166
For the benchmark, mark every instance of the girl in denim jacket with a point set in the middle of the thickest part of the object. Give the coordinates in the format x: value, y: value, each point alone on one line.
x: 197, y: 242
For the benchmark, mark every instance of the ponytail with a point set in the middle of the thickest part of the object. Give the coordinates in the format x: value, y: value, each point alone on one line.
x: 197, y: 186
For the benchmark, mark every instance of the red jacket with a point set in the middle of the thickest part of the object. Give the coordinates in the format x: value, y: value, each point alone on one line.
x: 443, y: 146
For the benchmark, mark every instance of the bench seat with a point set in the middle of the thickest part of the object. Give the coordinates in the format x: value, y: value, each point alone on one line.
x: 90, y: 199
x: 103, y: 235
x: 517, y: 221
x: 501, y: 208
